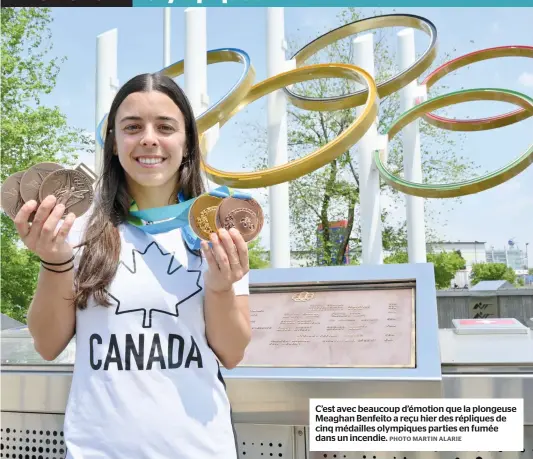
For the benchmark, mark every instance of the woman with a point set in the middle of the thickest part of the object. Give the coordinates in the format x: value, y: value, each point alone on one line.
x: 152, y: 318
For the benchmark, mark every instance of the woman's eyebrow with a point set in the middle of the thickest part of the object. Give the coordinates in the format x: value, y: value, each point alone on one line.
x: 167, y: 118
x: 138, y: 118
x: 130, y: 118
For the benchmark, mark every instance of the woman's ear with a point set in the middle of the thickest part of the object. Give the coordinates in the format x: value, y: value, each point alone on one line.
x: 115, y: 152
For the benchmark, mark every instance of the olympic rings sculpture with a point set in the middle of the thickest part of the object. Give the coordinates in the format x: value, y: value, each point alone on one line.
x: 467, y: 59
x: 325, y: 154
x: 219, y: 112
x: 470, y: 186
x: 244, y: 92
x: 386, y: 88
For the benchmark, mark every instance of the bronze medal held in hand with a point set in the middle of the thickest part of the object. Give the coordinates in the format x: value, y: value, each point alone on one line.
x: 33, y: 179
x: 72, y: 188
x: 245, y: 215
x: 11, y: 199
x: 202, y: 215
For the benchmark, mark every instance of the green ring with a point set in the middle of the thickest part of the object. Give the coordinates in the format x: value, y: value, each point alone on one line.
x: 452, y: 190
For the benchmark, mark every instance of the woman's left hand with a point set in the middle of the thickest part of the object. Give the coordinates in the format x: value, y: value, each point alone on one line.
x: 227, y: 259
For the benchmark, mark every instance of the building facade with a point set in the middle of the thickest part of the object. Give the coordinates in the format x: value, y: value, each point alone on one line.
x: 512, y: 257
x: 472, y: 252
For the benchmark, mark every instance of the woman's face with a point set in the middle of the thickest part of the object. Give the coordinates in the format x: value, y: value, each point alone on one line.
x: 150, y: 139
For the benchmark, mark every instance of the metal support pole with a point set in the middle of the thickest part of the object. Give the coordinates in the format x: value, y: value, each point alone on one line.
x: 371, y: 236
x: 412, y: 161
x: 166, y: 37
x: 195, y: 68
x: 196, y: 58
x: 106, y: 83
x: 277, y: 141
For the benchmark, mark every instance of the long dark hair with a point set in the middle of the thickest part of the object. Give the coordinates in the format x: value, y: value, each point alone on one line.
x: 99, y: 260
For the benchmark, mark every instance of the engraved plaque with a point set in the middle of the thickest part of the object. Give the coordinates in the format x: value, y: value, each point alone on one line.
x: 336, y: 328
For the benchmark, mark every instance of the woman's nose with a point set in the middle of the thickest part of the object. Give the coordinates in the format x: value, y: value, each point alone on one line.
x: 150, y: 138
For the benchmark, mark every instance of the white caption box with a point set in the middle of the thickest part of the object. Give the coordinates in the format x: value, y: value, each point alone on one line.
x: 416, y: 424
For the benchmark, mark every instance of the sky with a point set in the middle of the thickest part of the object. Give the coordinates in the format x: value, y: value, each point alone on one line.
x: 494, y: 216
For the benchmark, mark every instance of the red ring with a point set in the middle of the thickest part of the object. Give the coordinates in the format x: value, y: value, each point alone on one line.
x: 480, y: 124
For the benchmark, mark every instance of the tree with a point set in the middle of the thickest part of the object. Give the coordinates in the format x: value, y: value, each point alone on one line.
x: 331, y: 194
x: 19, y: 276
x: 446, y: 265
x: 492, y: 271
x: 30, y: 133
x: 257, y: 258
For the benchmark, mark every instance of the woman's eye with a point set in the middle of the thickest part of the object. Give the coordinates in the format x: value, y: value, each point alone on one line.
x: 132, y: 127
x: 167, y: 128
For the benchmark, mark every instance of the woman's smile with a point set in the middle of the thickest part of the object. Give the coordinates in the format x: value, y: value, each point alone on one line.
x: 150, y: 162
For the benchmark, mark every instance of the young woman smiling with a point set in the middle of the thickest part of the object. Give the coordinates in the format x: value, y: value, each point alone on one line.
x: 152, y: 318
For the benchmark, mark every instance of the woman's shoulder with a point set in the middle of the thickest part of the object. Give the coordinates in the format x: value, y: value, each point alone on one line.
x: 78, y: 232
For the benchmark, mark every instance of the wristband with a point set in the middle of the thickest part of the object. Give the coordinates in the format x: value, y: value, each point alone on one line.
x: 57, y: 264
x: 54, y: 271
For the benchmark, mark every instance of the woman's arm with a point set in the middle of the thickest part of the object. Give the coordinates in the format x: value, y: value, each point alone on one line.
x: 228, y: 328
x: 227, y: 315
x: 51, y: 316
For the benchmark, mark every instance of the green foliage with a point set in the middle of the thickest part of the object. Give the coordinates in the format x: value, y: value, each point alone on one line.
x: 492, y: 271
x: 258, y: 259
x: 30, y: 133
x: 20, y: 269
x: 446, y: 265
x: 331, y: 193
x: 397, y: 258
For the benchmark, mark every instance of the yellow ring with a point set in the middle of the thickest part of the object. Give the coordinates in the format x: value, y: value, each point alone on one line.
x: 220, y: 112
x: 322, y: 156
x: 453, y: 190
x: 384, y: 89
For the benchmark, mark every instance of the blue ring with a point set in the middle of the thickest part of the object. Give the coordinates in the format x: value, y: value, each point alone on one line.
x: 247, y: 66
x: 99, y: 138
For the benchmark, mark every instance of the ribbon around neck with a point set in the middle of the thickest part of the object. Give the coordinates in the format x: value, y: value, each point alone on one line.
x: 167, y: 218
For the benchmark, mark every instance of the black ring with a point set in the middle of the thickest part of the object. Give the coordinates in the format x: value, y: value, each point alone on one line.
x: 387, y: 87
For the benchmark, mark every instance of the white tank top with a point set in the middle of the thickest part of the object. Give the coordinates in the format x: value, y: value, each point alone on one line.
x: 146, y: 384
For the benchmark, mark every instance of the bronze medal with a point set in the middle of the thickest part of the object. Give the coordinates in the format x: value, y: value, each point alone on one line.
x: 33, y: 178
x: 11, y: 199
x: 72, y: 188
x: 202, y: 215
x: 245, y: 215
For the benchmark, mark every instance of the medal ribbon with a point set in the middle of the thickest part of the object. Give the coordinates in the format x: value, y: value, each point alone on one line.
x: 163, y: 219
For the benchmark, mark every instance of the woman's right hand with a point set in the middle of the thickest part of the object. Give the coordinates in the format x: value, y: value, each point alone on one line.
x: 43, y: 236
